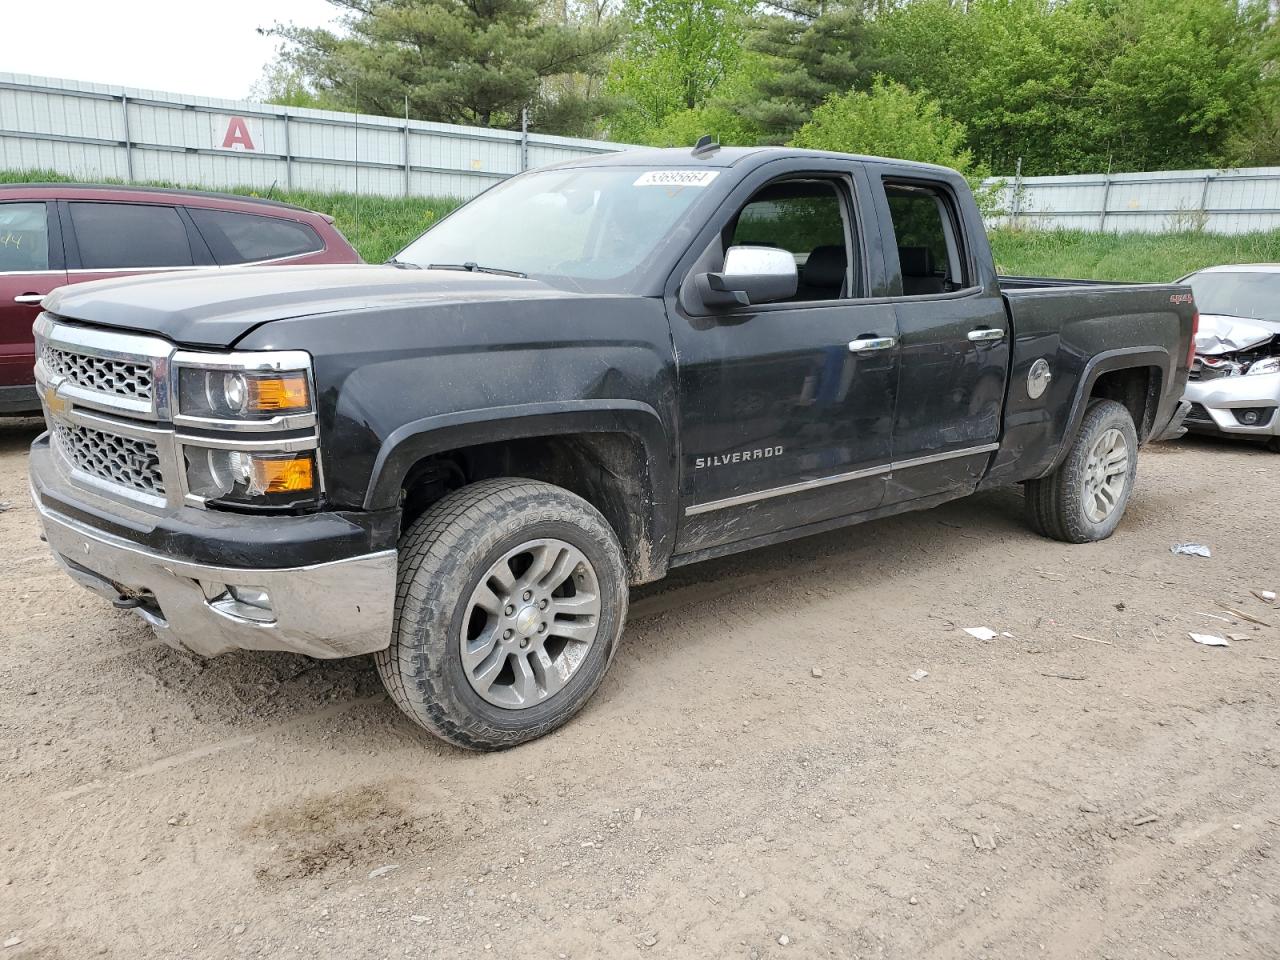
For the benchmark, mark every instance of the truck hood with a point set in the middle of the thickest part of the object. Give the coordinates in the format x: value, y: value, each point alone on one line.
x: 216, y: 307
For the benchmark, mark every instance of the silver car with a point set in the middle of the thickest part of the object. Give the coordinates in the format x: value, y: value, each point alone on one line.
x: 1234, y: 386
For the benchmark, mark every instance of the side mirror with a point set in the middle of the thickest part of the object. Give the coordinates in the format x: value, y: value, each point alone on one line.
x: 750, y: 275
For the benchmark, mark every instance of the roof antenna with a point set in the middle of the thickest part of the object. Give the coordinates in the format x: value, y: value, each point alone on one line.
x: 706, y: 146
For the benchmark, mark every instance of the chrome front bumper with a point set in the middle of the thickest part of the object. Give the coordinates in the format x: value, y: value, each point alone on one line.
x: 1219, y: 398
x: 337, y: 609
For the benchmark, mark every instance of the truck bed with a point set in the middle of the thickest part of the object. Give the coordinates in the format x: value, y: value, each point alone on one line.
x: 1083, y: 328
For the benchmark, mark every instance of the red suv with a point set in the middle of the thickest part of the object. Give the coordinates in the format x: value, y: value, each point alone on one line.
x: 52, y: 234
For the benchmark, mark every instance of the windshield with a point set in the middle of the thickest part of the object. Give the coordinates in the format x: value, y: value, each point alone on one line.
x: 1238, y: 294
x: 590, y: 228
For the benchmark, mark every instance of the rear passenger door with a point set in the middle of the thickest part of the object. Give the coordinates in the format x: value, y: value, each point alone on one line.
x: 111, y: 239
x: 953, y: 337
x: 30, y: 267
x: 244, y: 238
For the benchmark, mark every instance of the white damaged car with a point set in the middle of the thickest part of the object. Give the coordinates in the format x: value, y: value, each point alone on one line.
x: 1234, y: 385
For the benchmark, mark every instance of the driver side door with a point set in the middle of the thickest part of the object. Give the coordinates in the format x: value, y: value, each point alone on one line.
x: 785, y: 421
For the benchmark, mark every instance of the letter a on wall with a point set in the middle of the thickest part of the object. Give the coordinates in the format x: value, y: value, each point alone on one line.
x: 236, y: 133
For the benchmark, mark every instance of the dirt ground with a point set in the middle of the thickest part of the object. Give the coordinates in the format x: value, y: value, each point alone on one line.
x: 1037, y: 795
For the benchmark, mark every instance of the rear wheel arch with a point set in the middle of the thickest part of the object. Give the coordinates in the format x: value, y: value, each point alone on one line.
x: 1132, y: 376
x: 1137, y: 389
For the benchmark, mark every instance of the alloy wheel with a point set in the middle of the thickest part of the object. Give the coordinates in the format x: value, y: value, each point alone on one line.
x: 530, y: 623
x: 1105, y: 475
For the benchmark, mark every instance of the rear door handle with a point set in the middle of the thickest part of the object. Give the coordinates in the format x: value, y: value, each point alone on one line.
x: 870, y: 344
x: 986, y: 335
x: 29, y: 297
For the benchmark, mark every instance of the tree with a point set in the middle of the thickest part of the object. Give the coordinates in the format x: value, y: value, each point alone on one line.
x: 892, y: 121
x: 807, y: 50
x: 1085, y: 85
x: 286, y: 86
x: 1187, y: 76
x: 458, y: 61
x: 719, y: 116
x: 889, y: 121
x: 674, y: 55
x: 1017, y: 73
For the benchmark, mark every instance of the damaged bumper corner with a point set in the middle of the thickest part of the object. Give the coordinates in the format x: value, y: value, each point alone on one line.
x: 1176, y: 426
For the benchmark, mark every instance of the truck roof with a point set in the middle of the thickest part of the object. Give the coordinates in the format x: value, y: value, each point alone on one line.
x: 724, y: 157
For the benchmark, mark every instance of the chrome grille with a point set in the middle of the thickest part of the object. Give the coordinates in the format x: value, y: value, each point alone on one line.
x: 119, y: 378
x: 121, y: 460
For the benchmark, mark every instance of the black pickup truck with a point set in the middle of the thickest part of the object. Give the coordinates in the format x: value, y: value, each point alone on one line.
x: 591, y: 373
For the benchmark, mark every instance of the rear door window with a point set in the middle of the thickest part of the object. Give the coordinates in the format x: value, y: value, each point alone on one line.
x: 247, y: 238
x: 129, y: 235
x: 24, y: 238
x: 928, y: 247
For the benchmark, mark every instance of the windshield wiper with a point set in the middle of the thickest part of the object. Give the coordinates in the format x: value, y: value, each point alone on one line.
x: 472, y: 267
x: 403, y: 264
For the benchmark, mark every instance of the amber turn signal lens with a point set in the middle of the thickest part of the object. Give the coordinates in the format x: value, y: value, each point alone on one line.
x: 271, y: 394
x: 282, y: 475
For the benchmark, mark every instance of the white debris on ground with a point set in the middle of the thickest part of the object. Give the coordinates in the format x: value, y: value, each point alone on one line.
x: 1209, y: 640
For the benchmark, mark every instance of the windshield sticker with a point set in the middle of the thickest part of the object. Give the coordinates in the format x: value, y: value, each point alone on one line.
x: 676, y: 178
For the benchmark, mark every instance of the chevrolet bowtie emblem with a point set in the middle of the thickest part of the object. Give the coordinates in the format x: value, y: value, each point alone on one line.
x: 54, y: 401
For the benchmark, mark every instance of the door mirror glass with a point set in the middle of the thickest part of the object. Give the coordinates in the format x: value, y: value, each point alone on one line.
x: 751, y: 275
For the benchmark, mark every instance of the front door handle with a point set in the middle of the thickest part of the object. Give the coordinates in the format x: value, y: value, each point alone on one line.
x: 870, y: 344
x: 29, y: 297
x: 986, y: 335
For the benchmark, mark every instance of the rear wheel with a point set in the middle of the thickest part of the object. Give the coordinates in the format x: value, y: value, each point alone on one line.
x: 1085, y: 498
x: 511, y: 598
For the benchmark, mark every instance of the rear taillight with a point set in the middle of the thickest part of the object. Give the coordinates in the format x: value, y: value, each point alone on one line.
x: 1195, y: 328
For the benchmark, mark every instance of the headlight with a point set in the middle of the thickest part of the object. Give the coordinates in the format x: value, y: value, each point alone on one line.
x: 1269, y: 365
x: 246, y: 426
x: 220, y: 394
x: 251, y: 478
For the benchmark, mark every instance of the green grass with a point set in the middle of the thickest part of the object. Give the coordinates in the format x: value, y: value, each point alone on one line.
x: 1125, y: 256
x: 387, y: 224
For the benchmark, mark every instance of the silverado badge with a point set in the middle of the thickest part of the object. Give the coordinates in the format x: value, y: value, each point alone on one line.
x: 738, y: 456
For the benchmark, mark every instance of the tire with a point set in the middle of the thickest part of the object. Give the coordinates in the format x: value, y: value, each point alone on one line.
x: 529, y: 678
x: 1063, y: 505
x: 1274, y: 444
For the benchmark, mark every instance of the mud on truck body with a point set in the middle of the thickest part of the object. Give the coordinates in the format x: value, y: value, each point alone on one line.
x: 459, y: 461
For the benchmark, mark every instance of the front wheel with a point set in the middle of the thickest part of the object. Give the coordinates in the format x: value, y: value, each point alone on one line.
x: 1084, y: 499
x: 511, y: 597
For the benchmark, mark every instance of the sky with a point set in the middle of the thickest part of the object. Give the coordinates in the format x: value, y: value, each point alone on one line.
x: 198, y: 47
